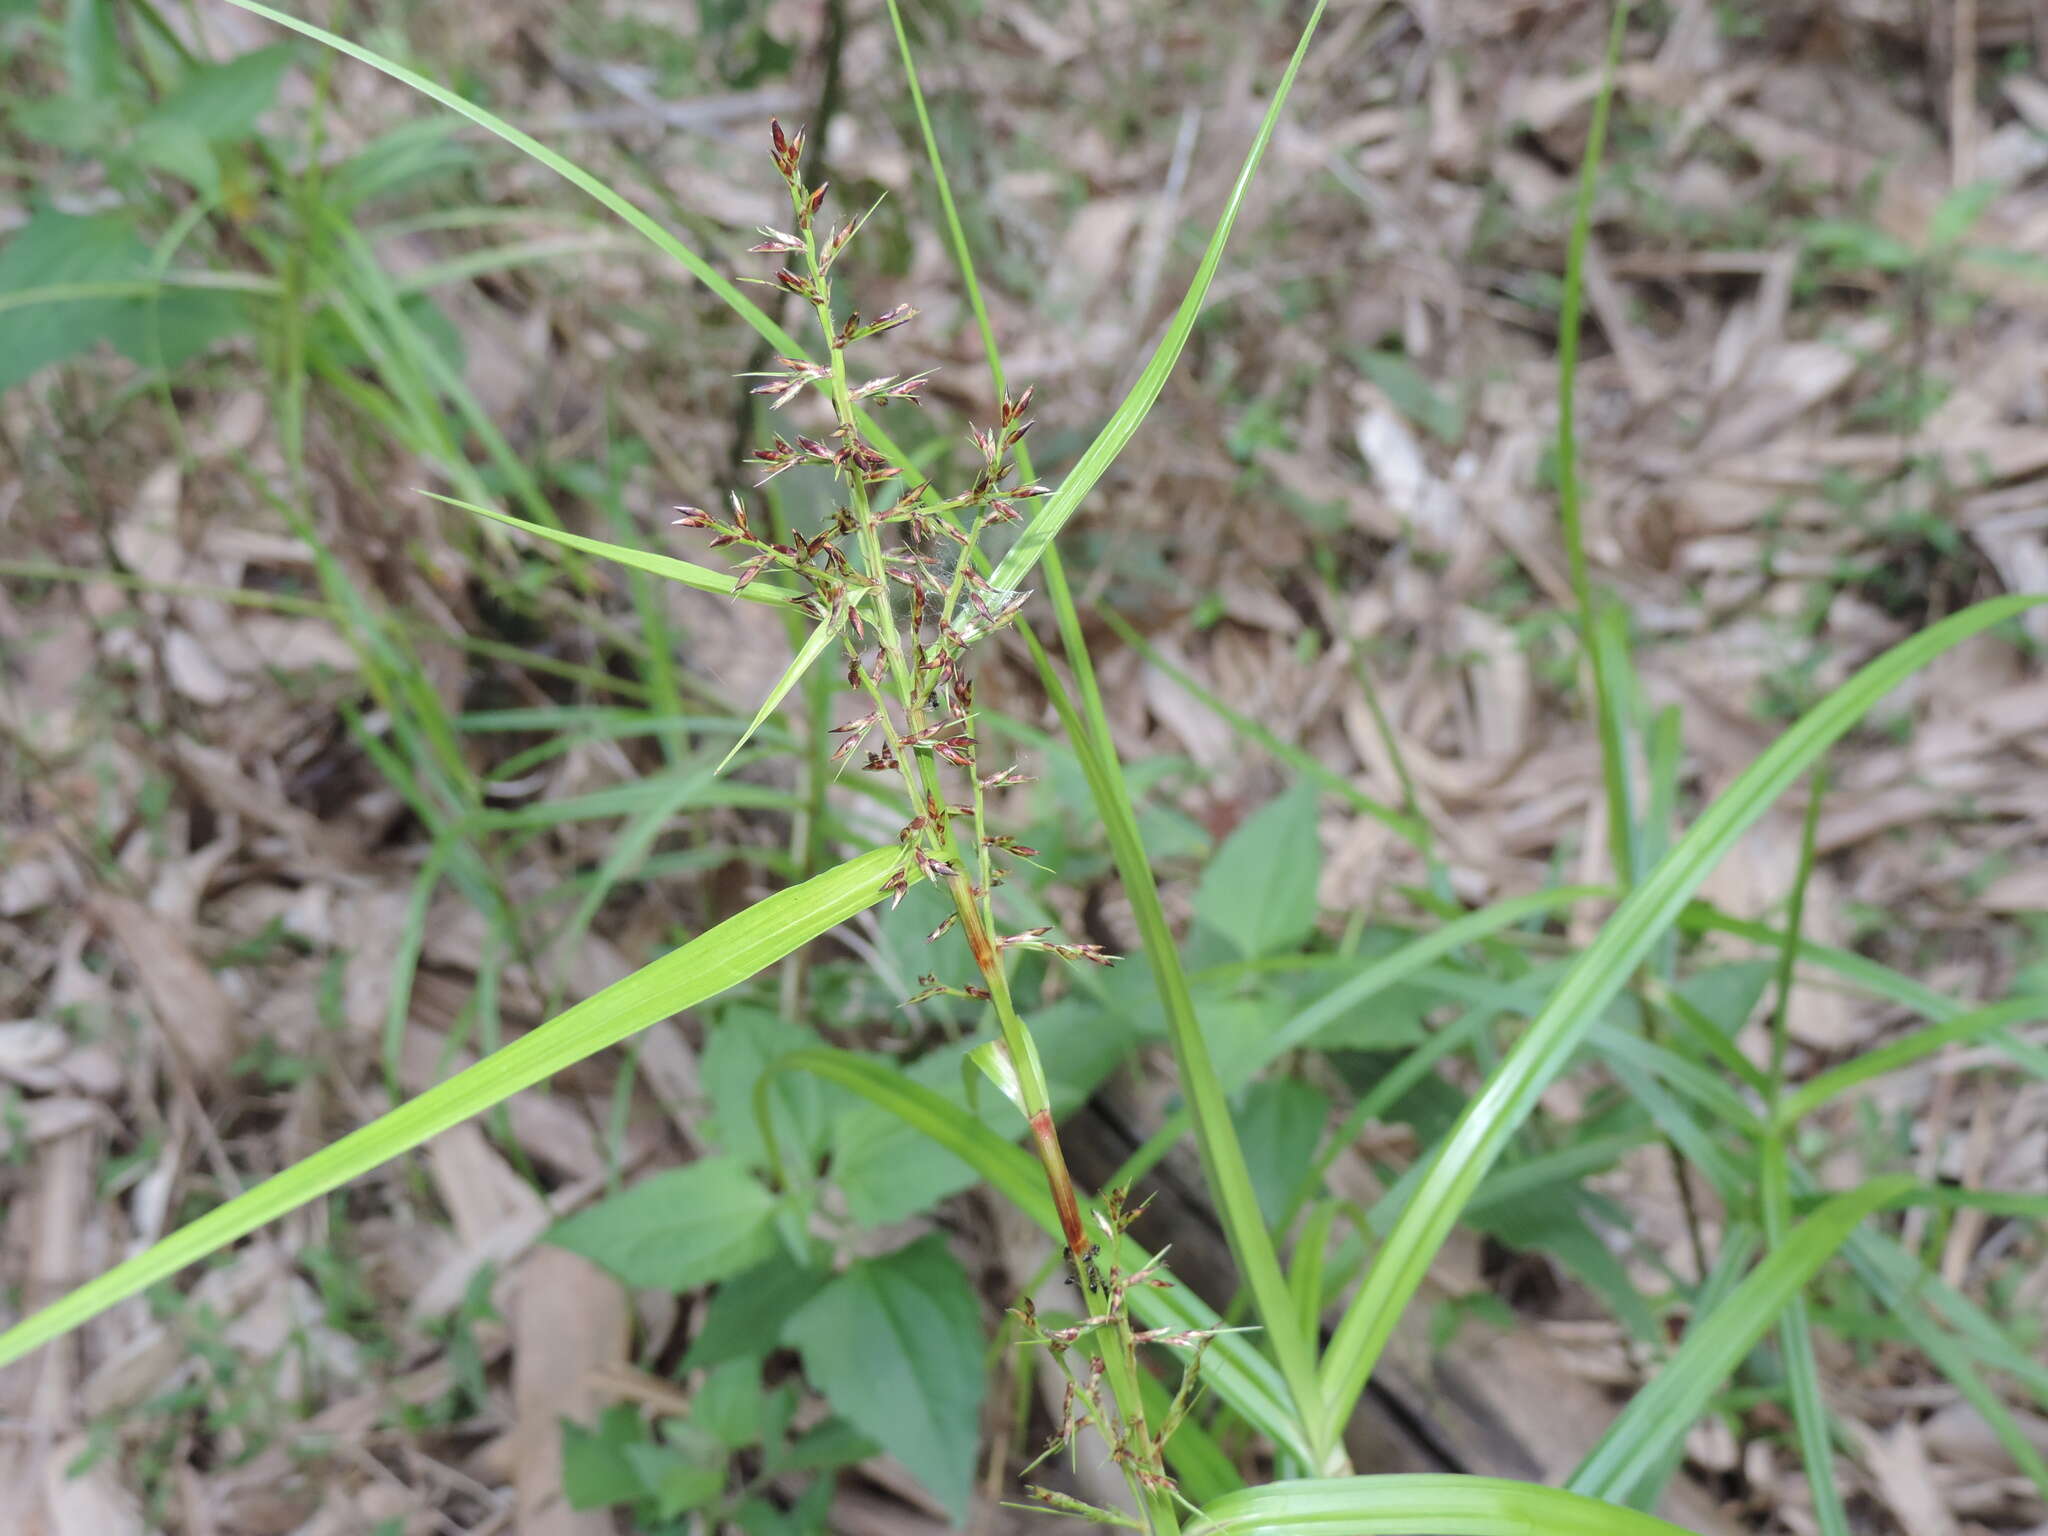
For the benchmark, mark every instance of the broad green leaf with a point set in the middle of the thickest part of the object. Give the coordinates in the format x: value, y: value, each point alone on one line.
x: 92, y: 48
x: 183, y: 151
x: 742, y: 1044
x: 895, y: 1344
x: 1493, y: 1116
x: 729, y: 1404
x: 678, y: 1229
x: 1053, y: 513
x: 1279, y: 1123
x: 834, y: 1443
x: 73, y: 250
x: 883, y: 1167
x: 1232, y: 1367
x: 175, y: 323
x: 722, y: 957
x: 748, y: 1312
x: 1259, y: 891
x: 596, y: 1469
x: 675, y: 1481
x: 703, y: 578
x: 1403, y: 1504
x: 1659, y: 1415
x: 80, y: 124
x: 1548, y: 1218
x: 221, y: 102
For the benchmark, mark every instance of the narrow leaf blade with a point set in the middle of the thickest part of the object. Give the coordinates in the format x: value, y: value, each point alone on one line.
x: 821, y: 637
x: 703, y: 578
x: 1402, y: 1503
x: 721, y: 957
x: 1130, y: 415
x: 1493, y: 1116
x: 1660, y: 1414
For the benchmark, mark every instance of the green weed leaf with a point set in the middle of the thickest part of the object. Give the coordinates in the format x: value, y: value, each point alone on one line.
x: 70, y: 249
x: 749, y: 1312
x: 1260, y: 889
x: 895, y: 1345
x: 596, y: 1469
x: 1279, y: 1124
x: 678, y: 1229
x: 221, y: 102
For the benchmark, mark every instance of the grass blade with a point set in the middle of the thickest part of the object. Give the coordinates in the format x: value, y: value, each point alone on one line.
x: 568, y: 170
x: 1658, y: 1416
x: 703, y: 578
x: 1117, y: 431
x: 1598, y: 642
x: 719, y: 958
x: 1402, y: 1503
x: 1903, y: 1052
x: 1491, y: 1118
x: 821, y: 638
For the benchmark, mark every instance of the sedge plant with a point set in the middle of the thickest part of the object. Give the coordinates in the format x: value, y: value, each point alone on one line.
x: 899, y: 584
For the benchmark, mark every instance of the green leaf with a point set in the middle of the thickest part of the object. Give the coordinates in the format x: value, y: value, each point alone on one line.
x: 182, y: 150
x: 674, y: 1481
x: 1658, y: 1416
x: 1494, y: 1115
x: 895, y: 1345
x: 1233, y: 1367
x: 70, y: 249
x: 1279, y: 1124
x: 758, y: 1517
x: 887, y: 1171
x: 1052, y: 516
x: 821, y: 637
x: 742, y: 1044
x: 92, y: 48
x: 749, y: 1311
x: 596, y: 1469
x: 79, y: 124
x: 1413, y: 396
x: 1401, y: 1504
x: 701, y: 577
x: 728, y: 1404
x: 678, y: 1229
x: 174, y: 324
x: 722, y: 957
x: 1957, y: 214
x: 221, y: 102
x: 834, y: 1443
x: 1260, y: 889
